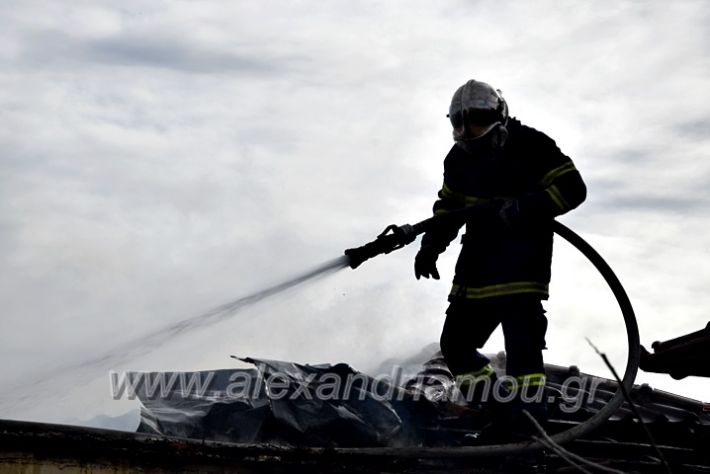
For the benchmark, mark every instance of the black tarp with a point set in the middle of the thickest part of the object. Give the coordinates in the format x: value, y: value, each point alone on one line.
x: 288, y: 403
x: 334, y: 405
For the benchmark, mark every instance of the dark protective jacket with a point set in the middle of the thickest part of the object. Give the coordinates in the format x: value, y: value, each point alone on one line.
x: 541, y: 182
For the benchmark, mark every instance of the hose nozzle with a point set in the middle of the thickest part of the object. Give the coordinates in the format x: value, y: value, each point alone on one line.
x: 392, y: 238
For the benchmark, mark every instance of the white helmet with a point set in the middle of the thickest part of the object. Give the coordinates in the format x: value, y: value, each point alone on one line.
x: 478, y: 103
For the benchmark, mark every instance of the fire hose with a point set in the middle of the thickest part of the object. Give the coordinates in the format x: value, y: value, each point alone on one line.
x: 395, y: 237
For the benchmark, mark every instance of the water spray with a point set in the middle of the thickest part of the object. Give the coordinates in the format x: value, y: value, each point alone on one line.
x: 130, y: 350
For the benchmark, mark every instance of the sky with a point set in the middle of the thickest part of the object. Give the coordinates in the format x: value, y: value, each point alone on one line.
x: 160, y: 158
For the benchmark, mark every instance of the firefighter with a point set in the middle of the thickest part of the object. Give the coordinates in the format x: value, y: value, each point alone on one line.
x: 503, y: 271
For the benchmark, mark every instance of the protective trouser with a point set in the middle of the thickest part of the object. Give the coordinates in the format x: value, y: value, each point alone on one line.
x: 468, y: 325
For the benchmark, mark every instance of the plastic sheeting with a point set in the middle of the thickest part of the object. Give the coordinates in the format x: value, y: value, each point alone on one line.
x: 328, y: 405
x: 292, y: 404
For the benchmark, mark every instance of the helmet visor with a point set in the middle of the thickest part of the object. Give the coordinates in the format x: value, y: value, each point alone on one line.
x: 481, y: 117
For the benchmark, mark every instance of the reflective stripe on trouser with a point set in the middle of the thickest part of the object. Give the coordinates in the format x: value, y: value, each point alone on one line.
x: 477, y: 385
x: 529, y: 395
x: 526, y: 381
x: 531, y: 380
x: 471, y: 378
x: 503, y: 289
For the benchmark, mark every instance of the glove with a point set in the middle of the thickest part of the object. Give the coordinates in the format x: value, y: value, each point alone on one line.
x: 510, y: 213
x: 425, y: 263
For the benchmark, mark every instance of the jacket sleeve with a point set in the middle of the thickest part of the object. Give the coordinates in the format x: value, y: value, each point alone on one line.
x: 559, y: 187
x: 439, y: 238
